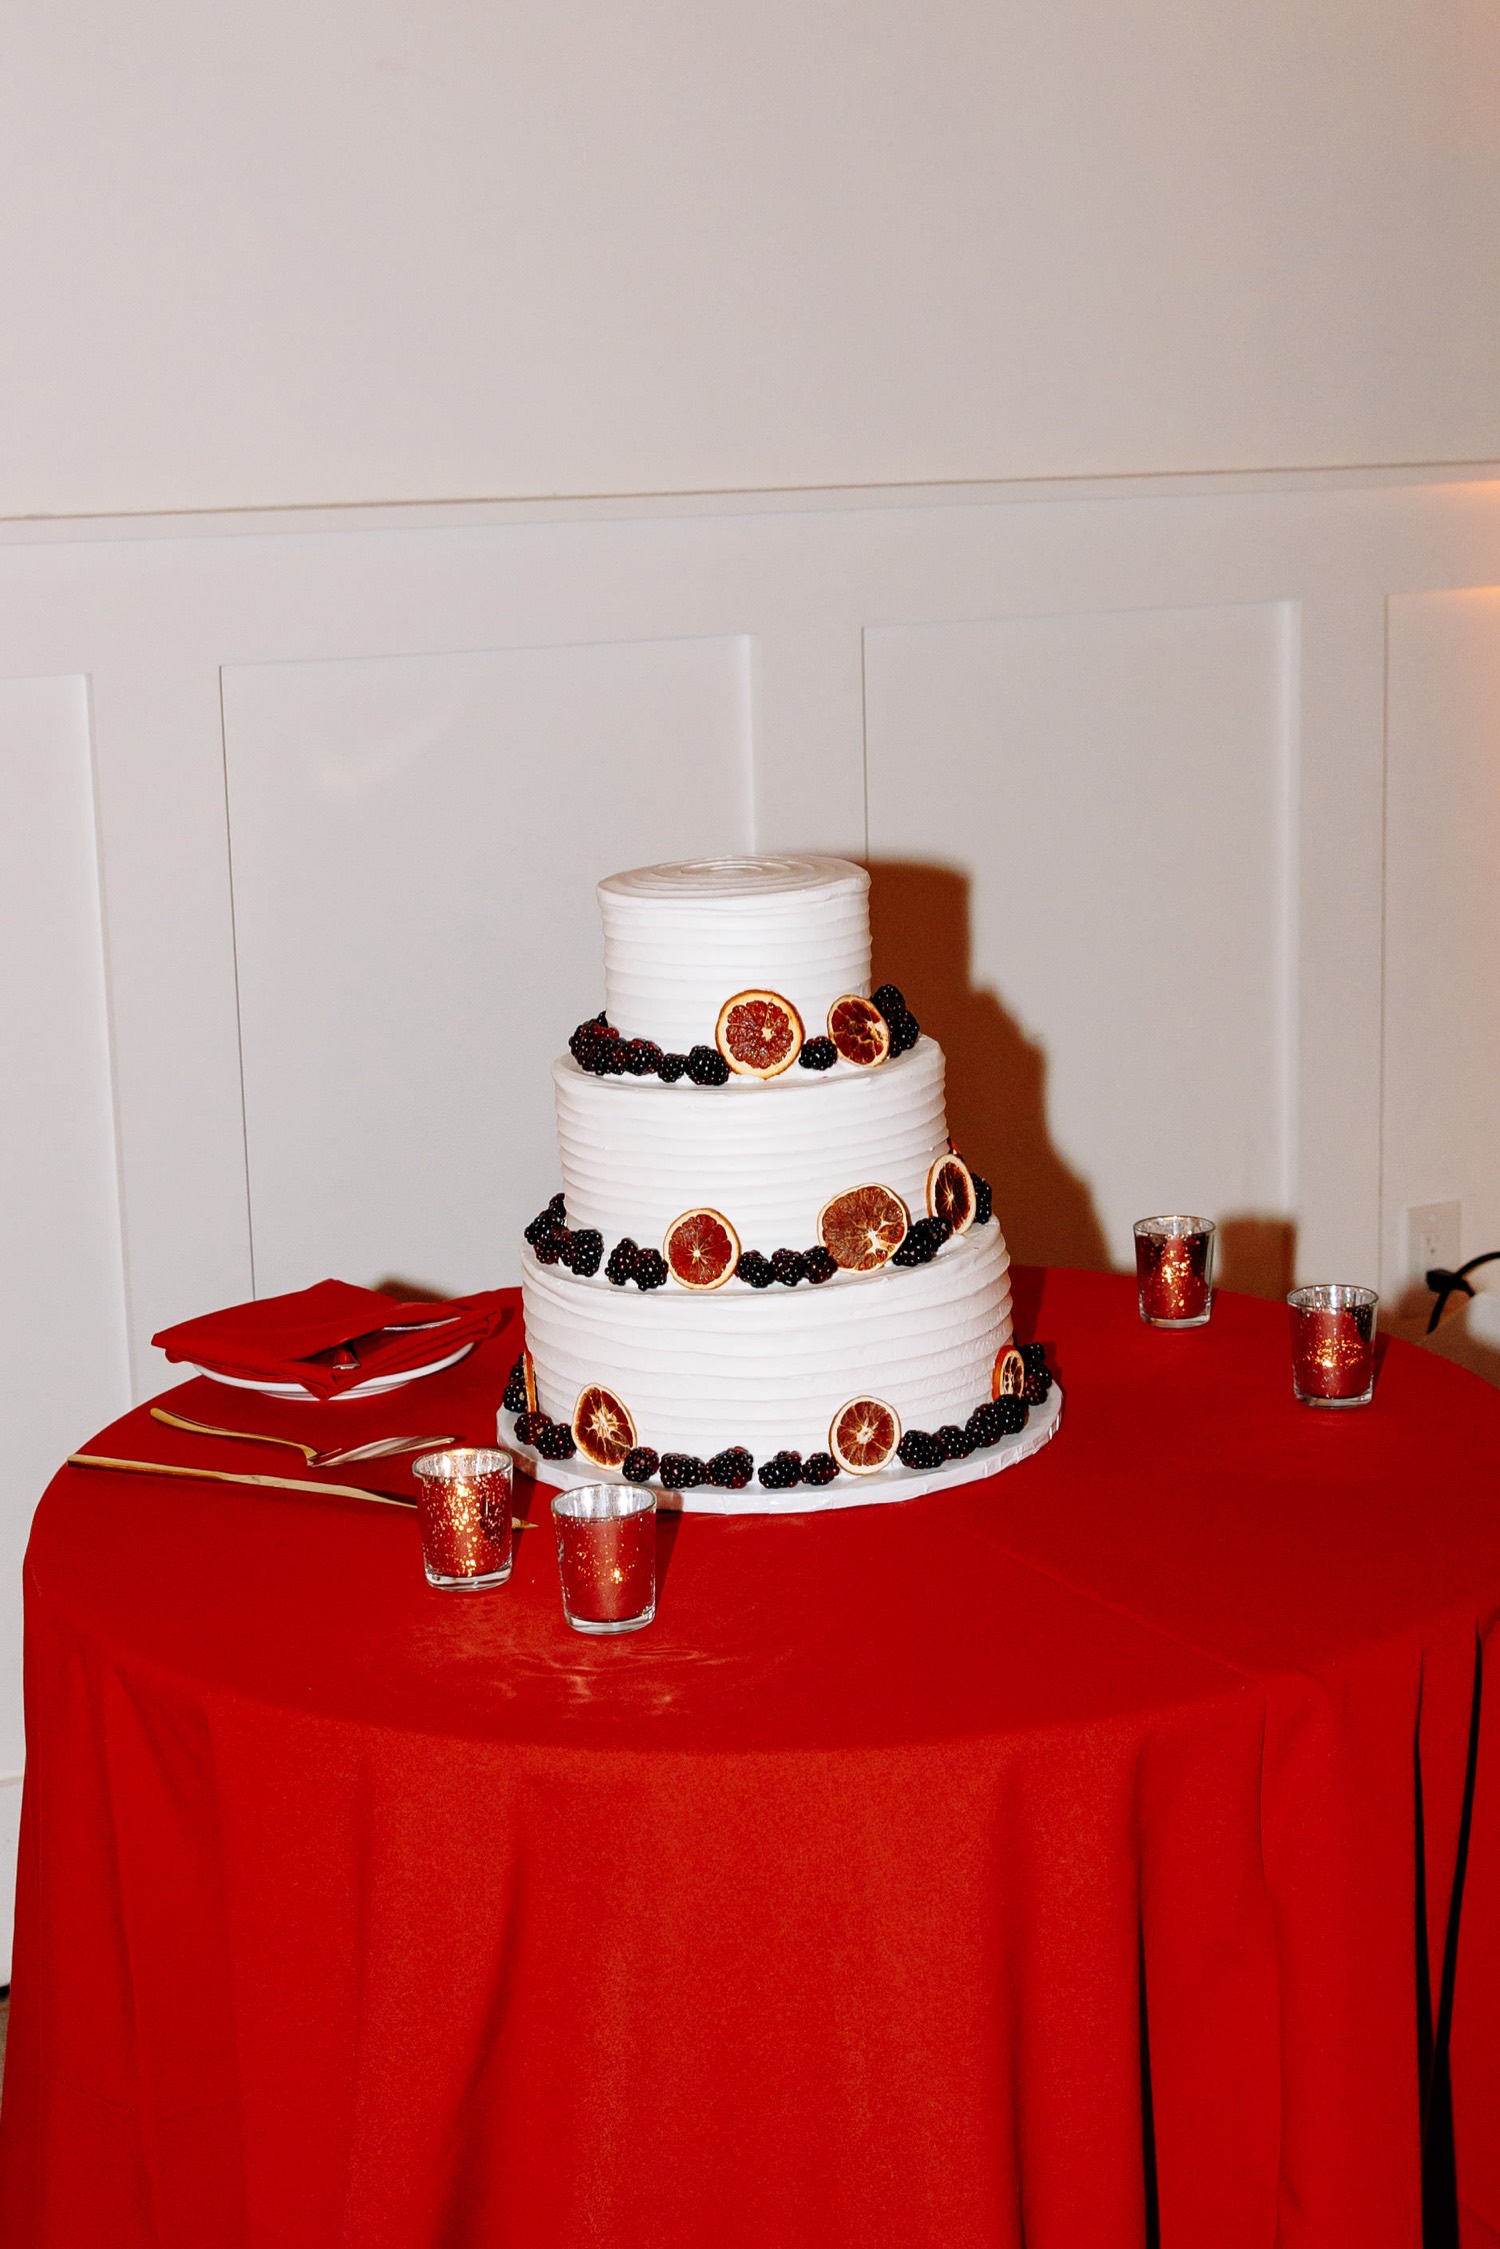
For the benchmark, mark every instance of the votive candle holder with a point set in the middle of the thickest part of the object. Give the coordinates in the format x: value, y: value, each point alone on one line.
x: 464, y: 1501
x: 1174, y: 1257
x: 606, y: 1556
x: 1333, y: 1344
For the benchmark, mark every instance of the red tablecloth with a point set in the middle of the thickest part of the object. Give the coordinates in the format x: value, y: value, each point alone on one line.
x: 1073, y: 1859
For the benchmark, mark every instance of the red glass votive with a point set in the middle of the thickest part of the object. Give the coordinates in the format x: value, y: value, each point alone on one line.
x: 1333, y: 1344
x: 1174, y: 1270
x: 606, y: 1555
x: 463, y: 1499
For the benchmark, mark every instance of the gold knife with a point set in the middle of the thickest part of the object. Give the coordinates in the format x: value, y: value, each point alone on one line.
x: 228, y: 1476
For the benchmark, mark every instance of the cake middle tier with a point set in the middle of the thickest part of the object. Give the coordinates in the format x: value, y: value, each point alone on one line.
x: 636, y: 1153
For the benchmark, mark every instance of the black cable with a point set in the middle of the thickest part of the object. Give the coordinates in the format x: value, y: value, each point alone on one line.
x: 1444, y: 1284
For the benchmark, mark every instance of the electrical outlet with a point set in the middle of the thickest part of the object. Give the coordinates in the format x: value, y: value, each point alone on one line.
x: 1432, y: 1231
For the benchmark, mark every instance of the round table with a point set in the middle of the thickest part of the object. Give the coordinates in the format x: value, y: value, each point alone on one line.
x: 1105, y: 1853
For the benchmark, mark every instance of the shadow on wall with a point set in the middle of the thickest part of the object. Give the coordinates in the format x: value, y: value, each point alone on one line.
x: 997, y: 1090
x: 997, y: 1077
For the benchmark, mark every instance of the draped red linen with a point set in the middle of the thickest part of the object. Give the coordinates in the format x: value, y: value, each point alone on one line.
x: 1102, y: 1854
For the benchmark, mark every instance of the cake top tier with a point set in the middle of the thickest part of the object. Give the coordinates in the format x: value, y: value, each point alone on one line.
x: 680, y: 940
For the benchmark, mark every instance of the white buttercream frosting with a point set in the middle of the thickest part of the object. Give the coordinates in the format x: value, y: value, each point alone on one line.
x: 637, y: 1153
x: 769, y: 1369
x: 681, y: 939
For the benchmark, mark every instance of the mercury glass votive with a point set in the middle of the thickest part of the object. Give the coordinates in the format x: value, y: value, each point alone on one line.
x: 606, y: 1556
x: 1333, y: 1344
x: 464, y: 1501
x: 1174, y: 1258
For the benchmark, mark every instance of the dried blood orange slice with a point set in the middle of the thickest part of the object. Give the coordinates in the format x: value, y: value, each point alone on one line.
x: 528, y: 1376
x: 950, y: 1192
x: 1009, y: 1377
x: 701, y: 1248
x: 863, y: 1227
x: 859, y: 1031
x: 602, y: 1428
x: 759, y: 1034
x: 863, y: 1435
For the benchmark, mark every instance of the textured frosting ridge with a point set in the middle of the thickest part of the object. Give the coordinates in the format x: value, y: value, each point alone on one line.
x: 637, y: 1153
x: 681, y: 938
x: 770, y: 1369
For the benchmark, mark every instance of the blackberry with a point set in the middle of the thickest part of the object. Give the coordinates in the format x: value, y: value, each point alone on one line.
x: 681, y: 1471
x: 641, y: 1057
x: 789, y: 1266
x: 541, y: 1226
x: 781, y: 1471
x: 671, y: 1067
x: 621, y: 1266
x: 514, y: 1396
x: 554, y: 1440
x: 890, y: 1001
x: 923, y: 1242
x: 817, y: 1054
x: 707, y: 1066
x: 905, y: 1031
x: 983, y: 1200
x: 650, y: 1269
x: 920, y: 1449
x: 754, y: 1269
x: 957, y: 1444
x: 731, y: 1469
x: 821, y: 1264
x: 1036, y: 1386
x: 527, y: 1427
x: 639, y: 1465
x: 819, y: 1468
x: 1032, y: 1355
x: 552, y: 1245
x: 986, y: 1423
x: 588, y: 1249
x: 585, y: 1045
x: 1013, y: 1414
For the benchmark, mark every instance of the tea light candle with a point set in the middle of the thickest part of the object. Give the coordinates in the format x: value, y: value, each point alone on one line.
x: 1333, y: 1344
x: 606, y: 1556
x: 1173, y: 1264
x: 464, y: 1501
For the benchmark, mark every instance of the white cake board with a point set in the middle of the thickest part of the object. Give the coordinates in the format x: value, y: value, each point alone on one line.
x: 895, y: 1482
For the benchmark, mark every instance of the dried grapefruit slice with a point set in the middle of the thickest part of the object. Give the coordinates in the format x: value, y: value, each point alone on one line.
x: 1009, y: 1377
x: 528, y: 1376
x: 701, y: 1248
x: 859, y: 1031
x: 950, y: 1192
x: 863, y: 1227
x: 863, y: 1435
x: 602, y: 1428
x: 759, y: 1034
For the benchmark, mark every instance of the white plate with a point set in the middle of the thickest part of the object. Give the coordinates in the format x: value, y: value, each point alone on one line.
x: 376, y: 1387
x: 844, y: 1491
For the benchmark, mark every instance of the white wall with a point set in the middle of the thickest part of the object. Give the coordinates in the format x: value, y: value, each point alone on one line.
x: 1160, y: 774
x: 282, y: 253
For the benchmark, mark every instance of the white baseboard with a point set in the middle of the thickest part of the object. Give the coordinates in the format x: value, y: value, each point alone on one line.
x: 10, y: 1838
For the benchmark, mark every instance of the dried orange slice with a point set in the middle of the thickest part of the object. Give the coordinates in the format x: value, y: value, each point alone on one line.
x: 759, y: 1034
x: 859, y: 1031
x: 701, y: 1248
x: 863, y: 1435
x: 1009, y: 1377
x: 528, y: 1376
x: 863, y: 1227
x: 950, y: 1192
x: 602, y: 1428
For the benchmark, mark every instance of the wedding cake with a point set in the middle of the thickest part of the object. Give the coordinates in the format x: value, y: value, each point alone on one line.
x: 767, y: 1271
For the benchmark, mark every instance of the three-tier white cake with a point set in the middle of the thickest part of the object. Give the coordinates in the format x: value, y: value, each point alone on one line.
x: 716, y: 1356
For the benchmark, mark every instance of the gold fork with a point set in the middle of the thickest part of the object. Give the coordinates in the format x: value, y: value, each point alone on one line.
x: 377, y: 1449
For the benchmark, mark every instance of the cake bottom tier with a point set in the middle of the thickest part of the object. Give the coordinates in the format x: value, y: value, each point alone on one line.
x: 769, y: 1370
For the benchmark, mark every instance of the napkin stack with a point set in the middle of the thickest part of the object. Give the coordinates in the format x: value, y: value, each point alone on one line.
x: 333, y: 1336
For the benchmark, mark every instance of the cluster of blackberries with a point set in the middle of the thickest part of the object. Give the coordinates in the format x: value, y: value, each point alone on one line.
x: 784, y: 1470
x: 986, y: 1425
x: 983, y: 1200
x: 1038, y: 1374
x: 628, y: 1262
x: 640, y: 1465
x: 555, y: 1244
x: 817, y: 1054
x: 682, y: 1471
x: 788, y: 1266
x: 924, y: 1239
x: 903, y: 1026
x: 598, y: 1048
x: 513, y: 1397
x: 552, y: 1439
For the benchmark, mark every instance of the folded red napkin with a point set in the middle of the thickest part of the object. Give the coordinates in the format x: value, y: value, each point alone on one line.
x: 332, y: 1336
